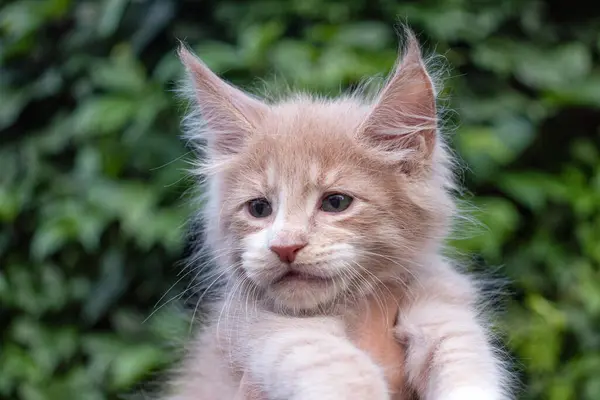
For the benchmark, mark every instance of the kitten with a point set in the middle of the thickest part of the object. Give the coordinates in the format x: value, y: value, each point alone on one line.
x: 313, y: 205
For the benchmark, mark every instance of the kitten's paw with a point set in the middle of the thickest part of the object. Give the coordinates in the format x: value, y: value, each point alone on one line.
x: 366, y: 380
x: 363, y: 381
x: 348, y: 392
x: 356, y: 391
x: 471, y: 393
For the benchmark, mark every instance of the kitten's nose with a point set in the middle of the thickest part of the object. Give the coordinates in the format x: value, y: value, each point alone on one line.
x: 287, y: 253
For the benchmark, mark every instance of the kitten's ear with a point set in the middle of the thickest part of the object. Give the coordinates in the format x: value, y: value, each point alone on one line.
x: 230, y: 114
x: 403, y: 121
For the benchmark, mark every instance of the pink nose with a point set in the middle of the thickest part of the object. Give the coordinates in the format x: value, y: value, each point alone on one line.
x: 287, y: 253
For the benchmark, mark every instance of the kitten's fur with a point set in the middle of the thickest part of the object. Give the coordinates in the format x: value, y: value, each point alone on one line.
x: 292, y: 336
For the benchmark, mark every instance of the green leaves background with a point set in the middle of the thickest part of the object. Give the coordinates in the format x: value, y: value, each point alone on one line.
x: 94, y: 197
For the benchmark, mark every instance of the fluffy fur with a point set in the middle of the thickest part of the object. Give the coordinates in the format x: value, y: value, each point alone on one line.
x: 288, y: 325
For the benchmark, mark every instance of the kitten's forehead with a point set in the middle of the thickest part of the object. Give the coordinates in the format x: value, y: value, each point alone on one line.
x: 300, y: 169
x: 299, y: 162
x: 310, y: 142
x: 305, y: 116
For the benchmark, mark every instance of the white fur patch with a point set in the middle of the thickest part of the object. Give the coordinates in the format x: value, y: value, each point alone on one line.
x: 271, y: 175
x: 471, y: 393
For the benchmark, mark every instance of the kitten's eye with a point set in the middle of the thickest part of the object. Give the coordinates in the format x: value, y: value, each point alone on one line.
x: 259, y: 208
x: 336, y: 203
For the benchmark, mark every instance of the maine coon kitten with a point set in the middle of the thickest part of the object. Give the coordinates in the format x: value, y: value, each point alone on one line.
x: 312, y: 205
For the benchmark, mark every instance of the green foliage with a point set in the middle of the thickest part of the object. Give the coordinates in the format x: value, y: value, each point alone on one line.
x: 92, y: 201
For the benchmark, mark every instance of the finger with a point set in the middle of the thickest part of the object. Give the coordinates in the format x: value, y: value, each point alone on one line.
x: 391, y: 307
x: 379, y: 313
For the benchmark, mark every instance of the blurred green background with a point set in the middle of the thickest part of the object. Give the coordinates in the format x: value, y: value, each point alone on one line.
x: 94, y: 197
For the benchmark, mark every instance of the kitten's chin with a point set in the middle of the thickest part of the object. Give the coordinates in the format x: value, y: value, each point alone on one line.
x: 296, y: 291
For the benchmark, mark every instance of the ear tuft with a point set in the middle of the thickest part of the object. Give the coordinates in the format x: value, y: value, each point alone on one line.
x: 404, y: 118
x: 230, y: 114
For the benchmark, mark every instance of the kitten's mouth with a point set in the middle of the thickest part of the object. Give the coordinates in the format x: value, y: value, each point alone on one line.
x: 298, y: 277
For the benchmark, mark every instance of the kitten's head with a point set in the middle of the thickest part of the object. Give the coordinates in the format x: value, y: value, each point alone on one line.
x: 312, y: 200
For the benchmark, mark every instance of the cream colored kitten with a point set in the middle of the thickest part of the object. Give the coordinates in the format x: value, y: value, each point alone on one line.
x: 312, y: 205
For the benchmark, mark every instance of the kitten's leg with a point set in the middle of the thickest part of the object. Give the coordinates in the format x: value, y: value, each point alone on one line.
x: 449, y: 355
x: 310, y: 358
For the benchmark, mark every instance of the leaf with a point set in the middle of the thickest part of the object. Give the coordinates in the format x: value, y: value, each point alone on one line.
x: 23, y: 17
x: 293, y: 59
x: 48, y: 239
x: 368, y: 35
x: 583, y: 92
x: 133, y: 363
x: 256, y: 39
x: 10, y: 204
x: 104, y: 115
x: 107, y: 288
x: 532, y: 189
x: 483, y: 149
x: 111, y: 16
x: 553, y: 69
x: 50, y: 346
x: 13, y: 103
x: 496, y: 220
x: 156, y: 18
x: 121, y: 74
x: 169, y: 68
x: 219, y: 56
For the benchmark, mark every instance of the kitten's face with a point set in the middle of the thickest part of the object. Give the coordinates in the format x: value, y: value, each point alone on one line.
x: 313, y: 212
x: 311, y: 200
